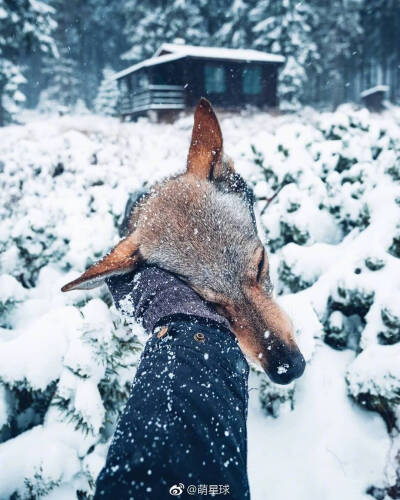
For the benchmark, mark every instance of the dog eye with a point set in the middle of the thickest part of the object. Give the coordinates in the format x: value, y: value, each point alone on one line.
x: 260, y: 265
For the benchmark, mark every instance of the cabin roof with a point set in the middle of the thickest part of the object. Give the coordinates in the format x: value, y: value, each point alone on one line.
x: 374, y: 90
x: 218, y: 53
x: 148, y: 62
x: 172, y: 52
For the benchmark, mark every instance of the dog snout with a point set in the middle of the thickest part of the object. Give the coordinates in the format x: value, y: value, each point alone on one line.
x: 286, y: 366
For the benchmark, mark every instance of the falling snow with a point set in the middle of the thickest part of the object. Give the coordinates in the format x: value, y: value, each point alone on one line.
x: 333, y: 235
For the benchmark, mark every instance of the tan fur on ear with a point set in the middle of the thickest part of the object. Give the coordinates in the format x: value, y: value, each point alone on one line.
x: 206, y: 145
x: 123, y: 258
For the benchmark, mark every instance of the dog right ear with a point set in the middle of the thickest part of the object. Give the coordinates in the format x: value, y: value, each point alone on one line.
x: 122, y: 259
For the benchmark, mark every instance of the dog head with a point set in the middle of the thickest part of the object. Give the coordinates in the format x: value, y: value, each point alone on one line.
x: 200, y: 226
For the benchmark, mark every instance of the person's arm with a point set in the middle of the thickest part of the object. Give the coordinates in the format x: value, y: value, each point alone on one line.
x: 152, y: 294
x: 185, y: 420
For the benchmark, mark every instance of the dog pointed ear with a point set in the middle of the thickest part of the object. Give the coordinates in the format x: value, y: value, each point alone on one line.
x: 205, y: 150
x: 122, y: 259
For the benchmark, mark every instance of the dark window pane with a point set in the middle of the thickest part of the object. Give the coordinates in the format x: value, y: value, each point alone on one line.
x: 214, y: 79
x: 252, y: 80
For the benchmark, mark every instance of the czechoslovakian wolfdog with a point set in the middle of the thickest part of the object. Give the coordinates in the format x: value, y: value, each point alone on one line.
x: 200, y: 226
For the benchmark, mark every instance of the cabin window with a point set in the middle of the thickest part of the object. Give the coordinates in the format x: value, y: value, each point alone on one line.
x: 252, y: 80
x: 214, y: 79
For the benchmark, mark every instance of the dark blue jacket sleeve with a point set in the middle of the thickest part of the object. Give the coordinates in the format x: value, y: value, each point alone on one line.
x: 185, y: 421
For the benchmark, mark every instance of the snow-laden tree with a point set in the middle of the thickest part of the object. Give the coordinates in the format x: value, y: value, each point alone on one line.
x: 25, y: 27
x: 286, y: 27
x: 236, y: 29
x: 338, y: 36
x: 149, y: 24
x: 87, y: 42
x: 63, y: 89
x: 107, y: 96
x: 11, y: 97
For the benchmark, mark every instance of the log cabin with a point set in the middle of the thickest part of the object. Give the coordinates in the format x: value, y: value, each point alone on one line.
x: 177, y: 75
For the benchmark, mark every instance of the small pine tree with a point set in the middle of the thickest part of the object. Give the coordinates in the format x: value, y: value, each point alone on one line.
x: 107, y: 96
x: 11, y: 98
x: 64, y: 84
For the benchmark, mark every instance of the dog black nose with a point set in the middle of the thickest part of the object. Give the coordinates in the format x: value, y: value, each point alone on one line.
x: 285, y: 367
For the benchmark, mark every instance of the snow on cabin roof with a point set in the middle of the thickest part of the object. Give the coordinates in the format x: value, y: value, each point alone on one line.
x: 147, y: 62
x: 178, y: 51
x: 219, y: 53
x: 373, y: 90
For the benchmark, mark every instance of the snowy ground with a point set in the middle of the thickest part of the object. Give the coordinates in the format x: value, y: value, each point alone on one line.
x: 327, y: 448
x: 334, y: 232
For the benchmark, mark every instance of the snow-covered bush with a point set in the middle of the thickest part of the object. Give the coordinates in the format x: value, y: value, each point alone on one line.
x: 65, y: 375
x: 333, y: 236
x: 275, y: 398
x: 11, y: 294
x: 374, y: 381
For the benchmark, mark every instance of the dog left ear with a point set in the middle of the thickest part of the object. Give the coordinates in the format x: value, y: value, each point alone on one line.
x: 122, y: 259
